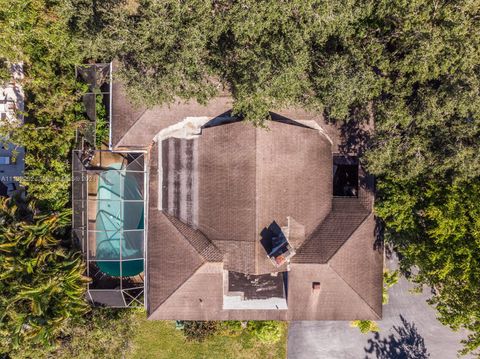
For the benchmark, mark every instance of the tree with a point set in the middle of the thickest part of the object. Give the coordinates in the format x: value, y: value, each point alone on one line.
x: 413, y: 66
x: 267, y: 54
x: 41, y: 285
x: 36, y: 33
x: 389, y: 280
x: 425, y: 152
x: 445, y: 252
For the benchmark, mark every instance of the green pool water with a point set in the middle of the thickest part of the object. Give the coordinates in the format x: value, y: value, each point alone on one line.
x: 116, y: 218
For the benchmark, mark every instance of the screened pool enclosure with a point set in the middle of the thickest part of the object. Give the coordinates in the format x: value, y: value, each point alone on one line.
x: 109, y: 224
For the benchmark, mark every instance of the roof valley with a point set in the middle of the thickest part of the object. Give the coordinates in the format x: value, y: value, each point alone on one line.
x: 346, y: 216
x: 202, y: 245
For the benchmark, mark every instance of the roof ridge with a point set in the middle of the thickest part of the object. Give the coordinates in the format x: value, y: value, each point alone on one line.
x: 130, y: 127
x: 331, y: 265
x: 176, y: 288
x: 211, y: 253
x: 350, y: 235
x: 327, y: 217
x: 204, y: 251
x: 359, y: 295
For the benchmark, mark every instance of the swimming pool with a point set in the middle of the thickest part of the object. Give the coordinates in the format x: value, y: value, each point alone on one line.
x: 119, y: 223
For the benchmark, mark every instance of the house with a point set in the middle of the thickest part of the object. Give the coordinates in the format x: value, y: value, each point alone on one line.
x: 12, y: 160
x: 219, y: 220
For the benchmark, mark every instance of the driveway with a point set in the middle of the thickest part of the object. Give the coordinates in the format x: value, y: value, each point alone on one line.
x: 408, y: 330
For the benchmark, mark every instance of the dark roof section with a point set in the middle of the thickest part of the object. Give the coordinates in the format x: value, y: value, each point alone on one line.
x: 346, y: 216
x: 201, y: 298
x: 262, y: 286
x: 171, y: 259
x: 197, y: 240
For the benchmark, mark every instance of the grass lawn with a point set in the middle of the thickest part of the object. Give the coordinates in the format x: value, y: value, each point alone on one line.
x: 160, y: 340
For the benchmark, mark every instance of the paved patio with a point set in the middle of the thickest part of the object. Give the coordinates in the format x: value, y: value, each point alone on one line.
x: 409, y: 330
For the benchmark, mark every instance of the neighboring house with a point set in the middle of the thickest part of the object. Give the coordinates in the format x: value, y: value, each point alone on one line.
x: 204, y: 217
x: 11, y: 155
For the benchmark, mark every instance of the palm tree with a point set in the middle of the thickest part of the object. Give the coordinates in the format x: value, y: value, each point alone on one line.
x: 41, y: 283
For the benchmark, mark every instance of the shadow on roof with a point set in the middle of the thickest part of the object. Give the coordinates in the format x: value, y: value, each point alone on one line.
x: 227, y: 117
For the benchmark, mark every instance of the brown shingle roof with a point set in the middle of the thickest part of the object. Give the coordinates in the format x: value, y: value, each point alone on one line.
x: 184, y: 283
x: 173, y: 254
x: 135, y: 126
x: 331, y: 234
x: 362, y: 272
x: 250, y: 177
x: 197, y: 240
x: 201, y: 298
x: 336, y: 299
x: 227, y: 160
x: 171, y: 259
x: 239, y: 255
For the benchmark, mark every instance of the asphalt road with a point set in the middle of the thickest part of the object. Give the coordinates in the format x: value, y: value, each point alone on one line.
x: 408, y: 330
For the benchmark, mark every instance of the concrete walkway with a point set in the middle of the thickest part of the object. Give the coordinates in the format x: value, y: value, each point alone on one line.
x: 409, y: 330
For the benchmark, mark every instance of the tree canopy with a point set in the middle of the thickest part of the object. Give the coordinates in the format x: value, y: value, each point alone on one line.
x: 267, y: 54
x: 412, y: 65
x: 42, y: 286
x: 35, y: 33
x: 41, y: 283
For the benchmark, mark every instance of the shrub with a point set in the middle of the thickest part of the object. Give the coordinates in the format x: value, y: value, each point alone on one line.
x: 389, y: 280
x: 41, y: 282
x: 231, y: 328
x: 365, y: 326
x: 265, y: 331
x: 102, y: 333
x: 102, y: 125
x: 200, y: 330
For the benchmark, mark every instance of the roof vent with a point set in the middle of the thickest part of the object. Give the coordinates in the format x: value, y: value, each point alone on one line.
x: 316, y: 287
